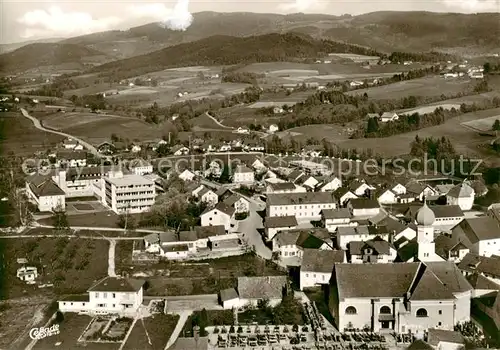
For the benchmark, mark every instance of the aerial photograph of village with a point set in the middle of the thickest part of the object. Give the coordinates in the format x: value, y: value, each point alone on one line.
x: 260, y: 175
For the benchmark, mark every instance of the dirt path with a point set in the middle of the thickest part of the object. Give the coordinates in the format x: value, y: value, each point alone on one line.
x: 111, y: 258
x: 184, y: 315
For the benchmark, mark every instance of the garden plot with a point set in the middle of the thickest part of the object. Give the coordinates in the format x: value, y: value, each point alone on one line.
x: 106, y: 329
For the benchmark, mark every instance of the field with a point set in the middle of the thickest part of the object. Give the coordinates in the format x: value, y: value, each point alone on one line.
x: 152, y: 332
x: 71, y: 264
x: 428, y: 86
x: 465, y: 140
x: 429, y: 109
x: 484, y: 124
x: 316, y: 131
x: 98, y: 127
x: 22, y: 138
x: 98, y: 219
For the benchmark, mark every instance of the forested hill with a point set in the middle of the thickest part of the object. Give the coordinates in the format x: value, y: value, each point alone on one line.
x: 227, y: 50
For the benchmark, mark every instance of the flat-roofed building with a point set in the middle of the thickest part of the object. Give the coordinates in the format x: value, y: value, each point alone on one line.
x: 130, y: 193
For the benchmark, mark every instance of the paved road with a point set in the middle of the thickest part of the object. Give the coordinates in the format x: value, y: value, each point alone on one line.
x: 111, y: 258
x: 39, y: 126
x: 184, y: 315
x: 248, y: 229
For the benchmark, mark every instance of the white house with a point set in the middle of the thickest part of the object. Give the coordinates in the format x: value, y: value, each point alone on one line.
x: 284, y: 187
x: 487, y: 267
x: 481, y: 235
x: 221, y: 214
x: 243, y: 175
x: 386, y: 196
x: 331, y: 183
x: 187, y: 175
x: 27, y: 274
x: 388, y: 117
x: 398, y: 188
x: 72, y: 145
x: 207, y: 196
x: 419, y: 190
x: 461, y: 195
x: 238, y: 202
x: 128, y: 193
x: 45, y: 193
x: 441, y: 339
x: 401, y: 297
x: 347, y: 234
x: 135, y: 149
x: 317, y: 266
x: 291, y: 243
x: 140, y: 167
x: 343, y: 194
x: 241, y: 130
x: 305, y: 206
x: 375, y: 250
x: 276, y: 224
x: 111, y: 295
x: 229, y: 299
x: 360, y: 188
x: 363, y: 207
x: 71, y: 158
x: 447, y: 216
x: 333, y: 218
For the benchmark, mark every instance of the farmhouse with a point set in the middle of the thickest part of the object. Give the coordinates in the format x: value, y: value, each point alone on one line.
x: 363, y: 207
x: 140, y: 167
x: 375, y: 250
x: 291, y: 243
x: 128, y: 193
x: 317, y: 266
x: 331, y: 183
x: 207, y: 196
x: 411, y: 297
x: 488, y: 267
x: 461, y: 195
x: 251, y: 290
x: 347, y: 234
x: 71, y: 158
x: 284, y: 187
x: 45, y: 193
x: 72, y: 145
x: 243, y: 175
x: 334, y: 218
x: 481, y: 235
x: 344, y: 194
x: 238, y: 202
x: 385, y: 196
x: 187, y: 175
x: 111, y: 295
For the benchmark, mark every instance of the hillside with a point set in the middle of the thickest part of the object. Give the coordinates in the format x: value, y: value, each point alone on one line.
x: 4, y: 48
x: 227, y: 50
x: 45, y: 54
x: 384, y: 31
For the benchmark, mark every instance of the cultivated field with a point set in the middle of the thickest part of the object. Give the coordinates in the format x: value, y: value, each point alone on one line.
x: 465, y: 140
x: 22, y: 138
x: 243, y: 116
x: 99, y: 127
x: 484, y: 124
x: 428, y: 86
x: 264, y: 104
x: 429, y: 109
x: 316, y: 131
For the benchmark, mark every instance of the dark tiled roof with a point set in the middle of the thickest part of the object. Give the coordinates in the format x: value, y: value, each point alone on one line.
x: 379, y: 246
x: 188, y: 236
x: 479, y: 229
x: 364, y: 203
x: 282, y: 186
x: 228, y: 294
x: 222, y: 207
x: 70, y: 154
x: 408, y: 251
x: 419, y: 345
x: 46, y: 189
x: 265, y: 287
x: 480, y: 264
x: 280, y: 221
x: 300, y: 198
x: 462, y: 190
x: 315, y: 260
x: 233, y: 198
x: 209, y: 231
x: 341, y: 213
x: 115, y: 284
x: 435, y: 336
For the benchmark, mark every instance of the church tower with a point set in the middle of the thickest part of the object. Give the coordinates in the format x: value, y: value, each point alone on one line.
x: 425, y: 234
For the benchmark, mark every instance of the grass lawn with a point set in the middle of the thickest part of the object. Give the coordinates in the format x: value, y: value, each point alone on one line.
x: 102, y: 219
x: 83, y: 206
x: 152, y: 332
x: 206, y: 318
x: 71, y: 264
x: 289, y: 312
x: 22, y: 138
x: 123, y: 254
x: 71, y: 328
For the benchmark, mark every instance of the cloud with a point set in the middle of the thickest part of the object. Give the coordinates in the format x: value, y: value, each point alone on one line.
x: 180, y: 18
x: 473, y: 5
x: 56, y: 23
x: 299, y: 6
x: 152, y: 11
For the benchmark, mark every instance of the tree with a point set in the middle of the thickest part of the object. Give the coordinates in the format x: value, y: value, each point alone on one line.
x: 496, y: 125
x: 372, y: 125
x: 60, y: 219
x: 487, y: 67
x: 127, y: 222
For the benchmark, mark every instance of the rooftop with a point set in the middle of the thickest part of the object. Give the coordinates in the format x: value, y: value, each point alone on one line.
x: 266, y: 287
x: 280, y: 221
x: 129, y: 180
x: 116, y: 284
x: 364, y: 203
x: 300, y: 198
x: 315, y: 260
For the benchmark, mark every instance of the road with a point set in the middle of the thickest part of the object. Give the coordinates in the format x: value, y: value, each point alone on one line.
x: 111, y: 258
x: 217, y: 122
x: 39, y: 126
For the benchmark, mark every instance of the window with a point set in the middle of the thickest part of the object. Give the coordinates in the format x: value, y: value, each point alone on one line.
x: 385, y: 310
x: 422, y: 312
x: 83, y: 304
x: 97, y: 295
x: 440, y: 312
x: 351, y: 310
x: 114, y: 305
x: 104, y: 295
x: 439, y: 323
x: 307, y: 275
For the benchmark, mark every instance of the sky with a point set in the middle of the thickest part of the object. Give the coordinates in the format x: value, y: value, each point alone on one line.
x: 29, y: 20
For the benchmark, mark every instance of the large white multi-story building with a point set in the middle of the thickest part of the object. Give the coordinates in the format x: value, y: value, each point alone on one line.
x: 304, y: 206
x: 129, y: 193
x: 402, y: 297
x: 84, y: 182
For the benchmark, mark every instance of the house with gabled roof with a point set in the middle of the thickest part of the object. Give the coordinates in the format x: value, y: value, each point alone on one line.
x: 306, y: 206
x: 488, y: 267
x: 206, y: 195
x: 445, y: 339
x: 275, y: 224
x: 45, y: 193
x: 348, y: 234
x: 363, y: 207
x: 360, y: 188
x: 317, y: 266
x: 290, y: 244
x: 111, y: 295
x: 179, y: 150
x: 388, y: 117
x: 450, y: 249
x: 385, y: 196
x: 71, y: 158
x: 243, y: 175
x: 333, y: 218
x: 419, y: 190
x: 330, y: 183
x: 462, y: 195
x: 372, y: 251
x: 238, y: 202
x: 404, y: 298
x: 284, y: 187
x: 252, y: 290
x: 481, y: 235
x: 221, y: 214
x: 344, y: 194
x: 187, y: 175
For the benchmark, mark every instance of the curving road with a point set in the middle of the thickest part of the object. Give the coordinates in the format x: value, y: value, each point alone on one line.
x: 39, y: 126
